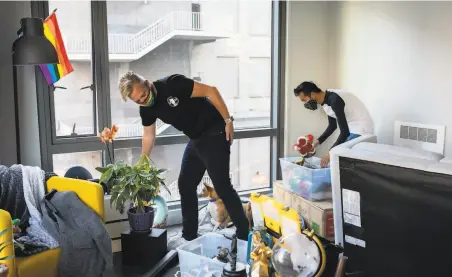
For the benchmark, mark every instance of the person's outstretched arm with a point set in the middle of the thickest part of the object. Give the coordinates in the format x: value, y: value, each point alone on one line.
x: 339, y: 110
x: 338, y: 107
x: 148, y: 140
x: 202, y: 90
x: 332, y: 126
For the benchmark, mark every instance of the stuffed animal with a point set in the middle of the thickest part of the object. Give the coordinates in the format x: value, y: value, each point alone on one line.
x: 305, y: 146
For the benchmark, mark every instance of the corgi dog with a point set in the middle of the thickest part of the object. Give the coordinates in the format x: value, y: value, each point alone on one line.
x: 216, y: 209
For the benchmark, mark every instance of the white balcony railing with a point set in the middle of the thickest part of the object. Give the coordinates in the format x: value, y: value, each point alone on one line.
x: 134, y: 43
x: 128, y: 130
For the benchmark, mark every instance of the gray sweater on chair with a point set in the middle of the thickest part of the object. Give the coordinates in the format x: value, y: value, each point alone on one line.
x: 85, y: 244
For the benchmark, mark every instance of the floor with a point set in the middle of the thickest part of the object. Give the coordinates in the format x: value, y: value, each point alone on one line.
x: 173, y: 231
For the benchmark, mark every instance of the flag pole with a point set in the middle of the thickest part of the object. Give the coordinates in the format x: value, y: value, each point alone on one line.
x: 51, y: 14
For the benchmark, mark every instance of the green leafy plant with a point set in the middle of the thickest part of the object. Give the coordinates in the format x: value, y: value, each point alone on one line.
x: 139, y: 184
x: 4, y: 244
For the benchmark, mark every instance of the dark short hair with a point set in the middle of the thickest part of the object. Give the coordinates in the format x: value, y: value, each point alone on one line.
x: 306, y: 88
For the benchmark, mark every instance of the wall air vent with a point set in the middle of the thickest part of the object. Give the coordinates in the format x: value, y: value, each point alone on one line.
x: 420, y: 136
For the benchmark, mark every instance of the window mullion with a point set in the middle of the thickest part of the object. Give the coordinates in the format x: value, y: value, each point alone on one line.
x: 101, y: 65
x: 279, y: 78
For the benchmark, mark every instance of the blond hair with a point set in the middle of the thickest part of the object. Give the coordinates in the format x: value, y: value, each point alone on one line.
x: 126, y: 84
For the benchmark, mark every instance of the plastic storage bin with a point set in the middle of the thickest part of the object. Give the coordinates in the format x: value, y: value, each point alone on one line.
x: 195, y: 257
x: 312, y: 184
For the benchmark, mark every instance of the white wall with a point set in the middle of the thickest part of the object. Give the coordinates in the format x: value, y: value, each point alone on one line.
x: 310, y: 57
x: 10, y: 14
x: 397, y: 58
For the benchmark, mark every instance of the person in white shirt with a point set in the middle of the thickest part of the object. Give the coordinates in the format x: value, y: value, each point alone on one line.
x: 343, y: 109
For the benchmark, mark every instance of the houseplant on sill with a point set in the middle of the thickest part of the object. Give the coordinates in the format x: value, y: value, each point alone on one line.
x: 3, y: 245
x: 139, y: 184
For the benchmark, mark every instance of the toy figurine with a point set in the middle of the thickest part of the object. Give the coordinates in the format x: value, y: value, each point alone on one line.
x: 261, y: 265
x: 233, y: 268
x: 234, y: 253
x: 16, y: 228
x: 223, y: 254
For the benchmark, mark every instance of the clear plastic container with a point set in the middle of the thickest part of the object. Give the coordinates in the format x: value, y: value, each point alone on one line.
x: 311, y: 183
x: 195, y: 257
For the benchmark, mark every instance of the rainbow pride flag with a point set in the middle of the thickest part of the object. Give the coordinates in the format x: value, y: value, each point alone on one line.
x: 54, y: 72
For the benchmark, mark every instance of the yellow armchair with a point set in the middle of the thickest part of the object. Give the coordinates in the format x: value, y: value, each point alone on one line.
x: 46, y: 263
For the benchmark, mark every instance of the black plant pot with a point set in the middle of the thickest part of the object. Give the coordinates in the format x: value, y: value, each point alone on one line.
x: 141, y: 222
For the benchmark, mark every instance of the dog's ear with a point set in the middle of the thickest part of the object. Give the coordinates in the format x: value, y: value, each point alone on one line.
x: 208, y: 187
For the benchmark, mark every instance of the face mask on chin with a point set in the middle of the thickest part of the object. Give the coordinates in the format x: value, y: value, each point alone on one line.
x: 311, y: 105
x: 150, y: 101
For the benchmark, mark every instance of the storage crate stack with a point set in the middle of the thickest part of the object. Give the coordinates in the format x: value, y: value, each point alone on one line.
x: 307, y: 189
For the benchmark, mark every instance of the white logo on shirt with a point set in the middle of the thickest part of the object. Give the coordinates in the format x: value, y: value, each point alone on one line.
x: 173, y: 101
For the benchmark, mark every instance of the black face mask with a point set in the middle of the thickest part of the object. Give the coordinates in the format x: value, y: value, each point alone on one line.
x: 311, y: 105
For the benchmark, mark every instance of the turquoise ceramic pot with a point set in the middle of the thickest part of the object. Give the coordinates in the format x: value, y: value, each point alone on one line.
x: 161, y: 212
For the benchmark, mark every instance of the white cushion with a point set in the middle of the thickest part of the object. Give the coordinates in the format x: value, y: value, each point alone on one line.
x: 398, y: 151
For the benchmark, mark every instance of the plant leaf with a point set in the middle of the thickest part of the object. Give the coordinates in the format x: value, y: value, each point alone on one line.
x: 165, y: 187
x: 162, y: 170
x: 102, y: 169
x: 6, y: 258
x: 106, y: 175
x: 146, y: 175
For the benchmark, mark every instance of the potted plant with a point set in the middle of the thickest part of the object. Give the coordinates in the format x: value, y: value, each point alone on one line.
x: 3, y: 245
x: 138, y: 184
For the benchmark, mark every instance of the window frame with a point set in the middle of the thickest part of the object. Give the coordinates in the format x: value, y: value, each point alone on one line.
x: 52, y: 144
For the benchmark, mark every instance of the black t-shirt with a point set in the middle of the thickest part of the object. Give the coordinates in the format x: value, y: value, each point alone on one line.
x: 175, y: 106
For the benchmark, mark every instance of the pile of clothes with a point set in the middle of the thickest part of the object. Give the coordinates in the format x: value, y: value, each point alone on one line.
x: 60, y: 221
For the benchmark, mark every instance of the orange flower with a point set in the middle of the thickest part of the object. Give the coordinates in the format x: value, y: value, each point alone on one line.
x: 108, y: 135
x: 114, y: 131
x: 101, y: 138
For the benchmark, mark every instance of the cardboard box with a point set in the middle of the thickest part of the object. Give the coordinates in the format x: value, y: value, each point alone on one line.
x: 318, y: 215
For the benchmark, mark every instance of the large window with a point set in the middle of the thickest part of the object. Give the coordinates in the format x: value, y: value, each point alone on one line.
x: 212, y: 42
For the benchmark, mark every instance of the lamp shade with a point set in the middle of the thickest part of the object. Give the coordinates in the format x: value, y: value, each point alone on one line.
x: 33, y: 48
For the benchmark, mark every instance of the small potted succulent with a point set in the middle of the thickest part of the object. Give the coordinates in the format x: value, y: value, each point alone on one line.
x: 3, y: 245
x: 138, y: 184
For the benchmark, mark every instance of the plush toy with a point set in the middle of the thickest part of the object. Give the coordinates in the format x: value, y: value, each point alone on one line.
x: 304, y: 146
x: 16, y: 228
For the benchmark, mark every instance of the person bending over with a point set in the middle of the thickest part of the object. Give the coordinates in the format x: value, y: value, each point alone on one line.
x: 343, y: 109
x: 198, y: 110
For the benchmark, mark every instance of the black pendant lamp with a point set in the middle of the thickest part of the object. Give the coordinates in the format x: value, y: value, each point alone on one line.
x: 32, y: 47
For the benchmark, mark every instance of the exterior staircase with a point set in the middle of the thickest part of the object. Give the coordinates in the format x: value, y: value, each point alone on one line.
x: 130, y: 47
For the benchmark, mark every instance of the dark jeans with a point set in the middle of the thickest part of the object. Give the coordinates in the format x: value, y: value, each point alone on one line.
x: 211, y: 152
